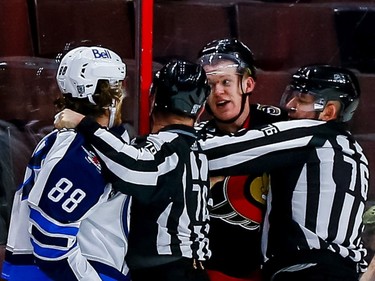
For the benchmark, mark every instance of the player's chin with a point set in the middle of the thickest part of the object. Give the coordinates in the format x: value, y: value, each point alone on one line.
x: 224, y: 112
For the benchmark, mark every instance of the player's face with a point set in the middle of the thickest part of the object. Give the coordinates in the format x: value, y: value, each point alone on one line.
x: 301, y: 105
x: 226, y: 94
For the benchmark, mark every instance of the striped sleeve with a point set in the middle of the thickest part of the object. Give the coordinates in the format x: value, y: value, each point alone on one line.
x: 132, y: 169
x: 240, y: 153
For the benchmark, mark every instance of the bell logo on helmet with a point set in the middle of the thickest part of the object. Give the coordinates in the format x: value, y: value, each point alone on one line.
x: 101, y: 55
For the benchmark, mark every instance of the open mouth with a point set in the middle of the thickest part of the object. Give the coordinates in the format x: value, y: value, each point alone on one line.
x: 222, y: 103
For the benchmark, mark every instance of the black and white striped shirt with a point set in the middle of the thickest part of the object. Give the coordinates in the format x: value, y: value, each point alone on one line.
x: 169, y: 184
x: 319, y: 184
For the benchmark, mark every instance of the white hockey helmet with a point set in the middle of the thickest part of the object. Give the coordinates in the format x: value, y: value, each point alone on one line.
x: 81, y: 68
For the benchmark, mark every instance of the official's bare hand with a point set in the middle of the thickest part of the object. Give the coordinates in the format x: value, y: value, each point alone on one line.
x: 67, y: 119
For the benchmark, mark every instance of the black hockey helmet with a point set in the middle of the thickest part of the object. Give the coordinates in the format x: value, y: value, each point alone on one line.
x: 231, y: 49
x: 327, y: 83
x: 180, y: 87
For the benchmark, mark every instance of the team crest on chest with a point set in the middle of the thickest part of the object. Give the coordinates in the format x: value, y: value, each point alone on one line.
x: 240, y: 200
x: 92, y: 158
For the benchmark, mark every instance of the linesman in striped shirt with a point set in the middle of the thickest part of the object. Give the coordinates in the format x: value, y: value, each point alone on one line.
x: 167, y: 179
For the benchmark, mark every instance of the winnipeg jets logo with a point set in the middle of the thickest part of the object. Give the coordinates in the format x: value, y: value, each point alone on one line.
x: 92, y: 158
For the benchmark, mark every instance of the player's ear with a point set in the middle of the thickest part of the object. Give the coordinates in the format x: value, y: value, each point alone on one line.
x: 331, y: 111
x: 250, y: 84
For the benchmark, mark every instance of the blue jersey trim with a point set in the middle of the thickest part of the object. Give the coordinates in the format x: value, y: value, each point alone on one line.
x: 50, y: 226
x: 23, y: 272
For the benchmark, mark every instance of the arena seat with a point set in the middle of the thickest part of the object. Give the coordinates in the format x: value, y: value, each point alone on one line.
x: 362, y: 120
x: 130, y: 110
x: 335, y: 2
x: 15, y: 29
x: 26, y: 85
x: 283, y: 36
x: 362, y: 126
x: 109, y: 23
x: 27, y: 92
x: 181, y: 29
x: 270, y: 85
x: 356, y: 36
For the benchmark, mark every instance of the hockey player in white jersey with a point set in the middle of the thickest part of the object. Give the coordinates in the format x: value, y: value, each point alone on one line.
x: 67, y: 222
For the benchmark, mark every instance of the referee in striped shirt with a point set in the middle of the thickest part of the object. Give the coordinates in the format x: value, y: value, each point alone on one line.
x: 167, y: 179
x: 319, y: 178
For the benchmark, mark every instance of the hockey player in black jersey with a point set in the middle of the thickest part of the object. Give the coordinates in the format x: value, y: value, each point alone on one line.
x: 238, y: 201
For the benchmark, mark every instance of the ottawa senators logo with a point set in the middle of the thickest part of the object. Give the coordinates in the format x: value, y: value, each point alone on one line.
x: 240, y: 200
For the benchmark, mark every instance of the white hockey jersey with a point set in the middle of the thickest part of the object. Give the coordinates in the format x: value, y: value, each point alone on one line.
x: 67, y: 223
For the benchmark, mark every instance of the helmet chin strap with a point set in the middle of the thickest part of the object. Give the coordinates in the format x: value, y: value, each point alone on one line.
x: 112, y: 113
x: 91, y: 99
x: 231, y: 120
